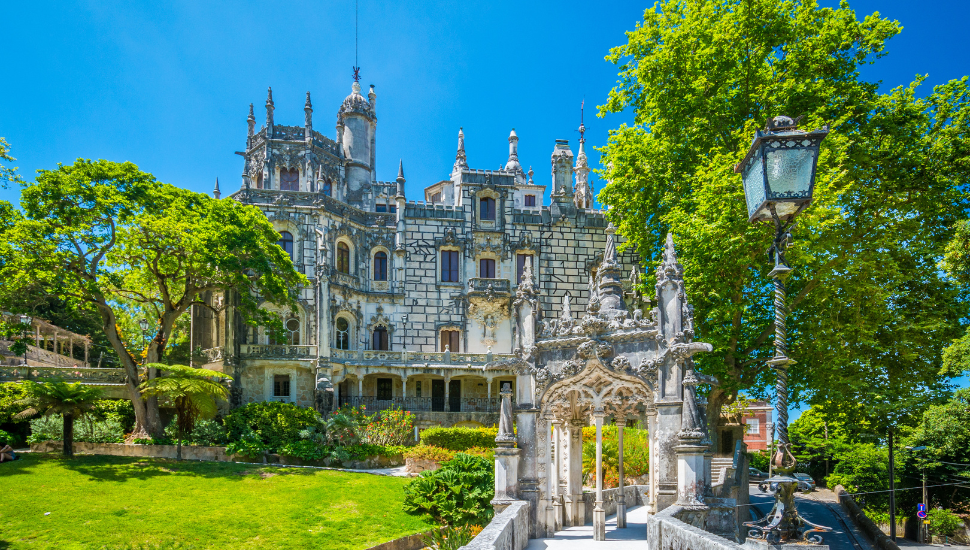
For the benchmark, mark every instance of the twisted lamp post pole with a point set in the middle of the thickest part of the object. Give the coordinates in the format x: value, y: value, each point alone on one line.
x: 778, y: 174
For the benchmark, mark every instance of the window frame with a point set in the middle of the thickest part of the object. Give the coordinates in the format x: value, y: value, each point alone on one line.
x: 486, y: 209
x: 347, y: 334
x: 380, y: 265
x: 528, y: 199
x: 380, y: 339
x: 283, y: 241
x: 453, y: 337
x: 278, y: 385
x: 451, y: 266
x: 343, y: 257
x: 288, y: 180
x: 486, y: 268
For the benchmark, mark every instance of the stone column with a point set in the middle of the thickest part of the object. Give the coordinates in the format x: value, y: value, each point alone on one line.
x: 575, y: 508
x: 651, y: 430
x: 447, y: 393
x: 506, y: 459
x: 336, y: 396
x: 526, y: 423
x: 620, y: 499
x: 360, y: 388
x: 556, y: 466
x: 599, y: 514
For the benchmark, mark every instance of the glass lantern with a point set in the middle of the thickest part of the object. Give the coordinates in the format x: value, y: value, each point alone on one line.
x: 779, y: 170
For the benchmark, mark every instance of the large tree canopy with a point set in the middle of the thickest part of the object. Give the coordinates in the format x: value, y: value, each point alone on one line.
x: 110, y: 237
x: 871, y: 310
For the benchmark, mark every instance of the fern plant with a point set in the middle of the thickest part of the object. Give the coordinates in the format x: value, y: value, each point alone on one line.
x: 68, y: 401
x: 193, y: 392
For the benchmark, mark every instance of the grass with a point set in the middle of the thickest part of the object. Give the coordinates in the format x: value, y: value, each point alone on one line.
x: 101, y: 502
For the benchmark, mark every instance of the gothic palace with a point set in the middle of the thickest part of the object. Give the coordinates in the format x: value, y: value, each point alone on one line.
x: 410, y: 301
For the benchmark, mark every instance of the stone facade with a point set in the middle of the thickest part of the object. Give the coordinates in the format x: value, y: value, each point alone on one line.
x: 410, y: 302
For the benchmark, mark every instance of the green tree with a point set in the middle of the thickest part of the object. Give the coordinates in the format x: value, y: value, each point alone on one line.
x: 870, y: 309
x: 113, y: 238
x: 60, y: 398
x: 194, y: 393
x: 945, y: 432
x: 7, y: 175
x: 943, y: 522
x: 864, y: 468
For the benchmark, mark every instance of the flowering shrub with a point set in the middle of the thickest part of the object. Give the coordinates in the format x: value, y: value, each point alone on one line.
x: 438, y: 454
x: 389, y: 427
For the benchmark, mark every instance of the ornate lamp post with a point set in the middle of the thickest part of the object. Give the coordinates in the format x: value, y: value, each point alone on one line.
x: 25, y: 320
x: 778, y: 174
x: 143, y: 324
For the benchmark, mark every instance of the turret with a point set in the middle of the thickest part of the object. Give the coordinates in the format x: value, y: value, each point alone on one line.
x: 562, y: 169
x: 356, y: 135
x: 308, y: 121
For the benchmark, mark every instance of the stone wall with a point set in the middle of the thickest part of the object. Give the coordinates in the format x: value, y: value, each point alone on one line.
x: 508, y: 530
x: 189, y: 452
x: 633, y: 495
x: 666, y: 532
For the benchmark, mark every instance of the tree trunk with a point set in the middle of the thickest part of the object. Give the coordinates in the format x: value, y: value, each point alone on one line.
x: 68, y: 435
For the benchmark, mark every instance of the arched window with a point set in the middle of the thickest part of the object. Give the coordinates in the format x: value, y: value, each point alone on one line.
x: 343, y: 334
x: 286, y: 242
x: 327, y: 188
x: 486, y: 208
x: 379, y: 339
x: 259, y: 180
x: 343, y: 258
x: 292, y: 326
x: 380, y: 266
x: 289, y: 180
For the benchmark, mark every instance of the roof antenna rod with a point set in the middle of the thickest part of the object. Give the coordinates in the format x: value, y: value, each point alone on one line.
x: 582, y: 126
x: 356, y: 27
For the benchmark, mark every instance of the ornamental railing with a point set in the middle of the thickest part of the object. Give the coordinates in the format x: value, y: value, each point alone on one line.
x: 425, y: 404
x: 489, y: 286
x: 384, y: 356
x: 85, y: 375
x: 278, y: 351
x: 38, y: 355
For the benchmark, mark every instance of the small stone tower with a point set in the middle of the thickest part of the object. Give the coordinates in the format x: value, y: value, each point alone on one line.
x: 356, y: 138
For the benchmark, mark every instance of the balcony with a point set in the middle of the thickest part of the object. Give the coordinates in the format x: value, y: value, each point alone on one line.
x: 426, y: 404
x: 257, y: 351
x: 489, y: 289
x: 404, y: 357
x: 85, y: 375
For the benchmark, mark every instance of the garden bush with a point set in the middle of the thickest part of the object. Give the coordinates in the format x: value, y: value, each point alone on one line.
x: 274, y: 424
x: 7, y: 438
x: 943, y: 523
x: 864, y: 468
x: 119, y: 409
x: 636, y: 455
x: 759, y: 460
x: 457, y: 494
x: 87, y: 428
x: 459, y: 439
x: 438, y: 454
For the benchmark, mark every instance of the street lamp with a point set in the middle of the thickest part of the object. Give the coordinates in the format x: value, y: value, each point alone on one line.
x: 778, y: 174
x: 143, y: 323
x: 25, y: 320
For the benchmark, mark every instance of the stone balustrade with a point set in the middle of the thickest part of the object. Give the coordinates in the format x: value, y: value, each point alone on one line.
x: 508, y: 530
x: 666, y: 532
x: 385, y: 356
x: 87, y: 375
x: 273, y: 351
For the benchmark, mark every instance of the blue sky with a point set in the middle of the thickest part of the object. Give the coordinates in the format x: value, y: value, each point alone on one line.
x: 168, y: 85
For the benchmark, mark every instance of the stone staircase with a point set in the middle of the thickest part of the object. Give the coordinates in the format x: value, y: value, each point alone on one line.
x: 718, y: 471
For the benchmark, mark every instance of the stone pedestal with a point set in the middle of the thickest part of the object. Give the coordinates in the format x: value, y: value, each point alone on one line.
x: 599, y: 522
x: 506, y: 478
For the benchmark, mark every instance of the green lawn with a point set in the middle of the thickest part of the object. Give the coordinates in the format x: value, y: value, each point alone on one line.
x: 134, y: 503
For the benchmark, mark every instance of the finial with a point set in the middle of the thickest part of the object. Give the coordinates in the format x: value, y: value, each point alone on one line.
x: 357, y: 74
x: 460, y: 159
x: 269, y: 96
x: 582, y: 126
x: 308, y: 105
x: 400, y: 170
x: 216, y: 192
x: 252, y: 116
x: 530, y: 176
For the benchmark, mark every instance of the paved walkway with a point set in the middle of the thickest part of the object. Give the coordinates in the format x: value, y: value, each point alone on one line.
x: 581, y: 538
x: 819, y: 510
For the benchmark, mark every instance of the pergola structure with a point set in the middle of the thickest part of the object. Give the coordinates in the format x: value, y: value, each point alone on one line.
x: 617, y: 362
x: 58, y: 341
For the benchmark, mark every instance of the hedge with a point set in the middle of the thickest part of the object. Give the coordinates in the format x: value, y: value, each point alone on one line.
x: 459, y: 439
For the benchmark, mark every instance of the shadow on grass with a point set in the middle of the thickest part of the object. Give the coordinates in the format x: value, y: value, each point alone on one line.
x: 121, y: 468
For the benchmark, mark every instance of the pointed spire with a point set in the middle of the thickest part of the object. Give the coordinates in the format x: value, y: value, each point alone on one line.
x: 269, y: 113
x: 216, y: 192
x: 251, y: 122
x: 583, y: 194
x: 461, y: 162
x: 308, y: 121
x: 400, y: 170
x: 513, y: 164
x: 669, y: 268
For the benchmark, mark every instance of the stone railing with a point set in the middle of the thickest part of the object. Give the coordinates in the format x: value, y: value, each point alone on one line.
x: 39, y: 355
x: 508, y: 530
x: 85, y: 375
x: 447, y: 357
x: 666, y: 532
x: 278, y: 351
x: 426, y: 404
x: 479, y: 285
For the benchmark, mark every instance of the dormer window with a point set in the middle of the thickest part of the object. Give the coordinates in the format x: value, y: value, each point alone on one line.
x: 530, y: 200
x: 289, y: 180
x: 486, y: 208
